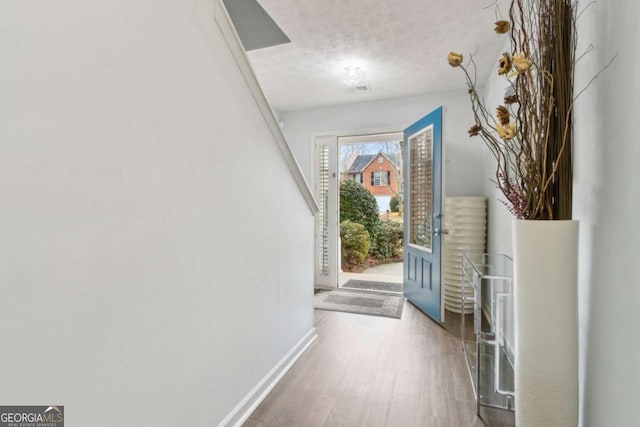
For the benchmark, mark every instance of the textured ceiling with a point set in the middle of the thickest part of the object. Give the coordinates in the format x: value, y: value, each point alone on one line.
x: 401, y: 45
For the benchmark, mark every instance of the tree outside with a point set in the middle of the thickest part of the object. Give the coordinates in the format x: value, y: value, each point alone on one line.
x: 379, y: 216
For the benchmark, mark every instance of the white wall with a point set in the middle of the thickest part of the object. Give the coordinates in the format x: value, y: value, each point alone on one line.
x: 139, y: 283
x: 464, y: 167
x: 607, y: 202
x: 499, y: 218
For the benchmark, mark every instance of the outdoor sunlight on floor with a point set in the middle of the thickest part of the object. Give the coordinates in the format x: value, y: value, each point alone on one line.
x: 390, y: 273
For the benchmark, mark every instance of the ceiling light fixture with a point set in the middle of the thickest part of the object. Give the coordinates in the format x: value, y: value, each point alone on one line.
x: 352, y: 76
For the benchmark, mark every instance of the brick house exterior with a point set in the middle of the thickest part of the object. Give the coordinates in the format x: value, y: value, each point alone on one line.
x: 377, y: 172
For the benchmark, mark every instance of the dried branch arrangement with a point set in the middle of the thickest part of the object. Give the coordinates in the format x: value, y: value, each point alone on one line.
x: 530, y: 135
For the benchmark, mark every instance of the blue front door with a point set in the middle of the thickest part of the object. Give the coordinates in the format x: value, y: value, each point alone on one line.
x: 422, y: 157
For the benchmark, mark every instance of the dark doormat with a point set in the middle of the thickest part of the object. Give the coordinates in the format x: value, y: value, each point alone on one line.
x: 360, y: 302
x: 374, y: 286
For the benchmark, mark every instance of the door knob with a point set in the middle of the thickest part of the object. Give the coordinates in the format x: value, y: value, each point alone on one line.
x: 438, y: 232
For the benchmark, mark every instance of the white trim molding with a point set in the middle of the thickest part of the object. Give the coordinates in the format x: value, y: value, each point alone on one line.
x: 245, y: 408
x: 235, y: 45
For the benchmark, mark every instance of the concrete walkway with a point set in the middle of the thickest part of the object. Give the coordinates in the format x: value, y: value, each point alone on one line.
x: 389, y: 273
x: 393, y: 269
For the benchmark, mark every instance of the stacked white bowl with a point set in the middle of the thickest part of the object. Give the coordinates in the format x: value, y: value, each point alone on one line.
x: 466, y: 220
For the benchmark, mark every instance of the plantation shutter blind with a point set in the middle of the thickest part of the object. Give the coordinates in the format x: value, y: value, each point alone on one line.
x: 322, y: 217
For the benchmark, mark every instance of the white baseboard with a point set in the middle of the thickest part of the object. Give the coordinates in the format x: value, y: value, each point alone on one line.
x: 243, y: 410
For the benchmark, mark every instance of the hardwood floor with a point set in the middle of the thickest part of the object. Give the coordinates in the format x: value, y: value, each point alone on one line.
x: 374, y: 371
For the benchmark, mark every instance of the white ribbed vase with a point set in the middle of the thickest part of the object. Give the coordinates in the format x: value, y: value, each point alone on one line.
x: 465, y: 219
x: 545, y: 259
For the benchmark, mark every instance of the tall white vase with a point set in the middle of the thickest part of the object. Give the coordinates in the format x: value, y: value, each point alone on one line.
x: 545, y: 255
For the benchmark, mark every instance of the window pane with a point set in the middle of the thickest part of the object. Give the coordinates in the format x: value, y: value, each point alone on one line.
x: 421, y: 188
x: 380, y: 178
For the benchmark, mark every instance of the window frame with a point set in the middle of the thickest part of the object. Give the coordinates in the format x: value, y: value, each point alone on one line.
x: 381, y: 182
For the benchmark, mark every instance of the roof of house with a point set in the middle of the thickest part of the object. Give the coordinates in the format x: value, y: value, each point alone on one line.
x: 362, y: 161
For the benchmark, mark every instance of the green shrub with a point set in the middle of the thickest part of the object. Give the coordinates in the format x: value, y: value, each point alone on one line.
x: 355, y: 243
x: 357, y: 204
x: 395, y: 202
x: 386, y: 241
